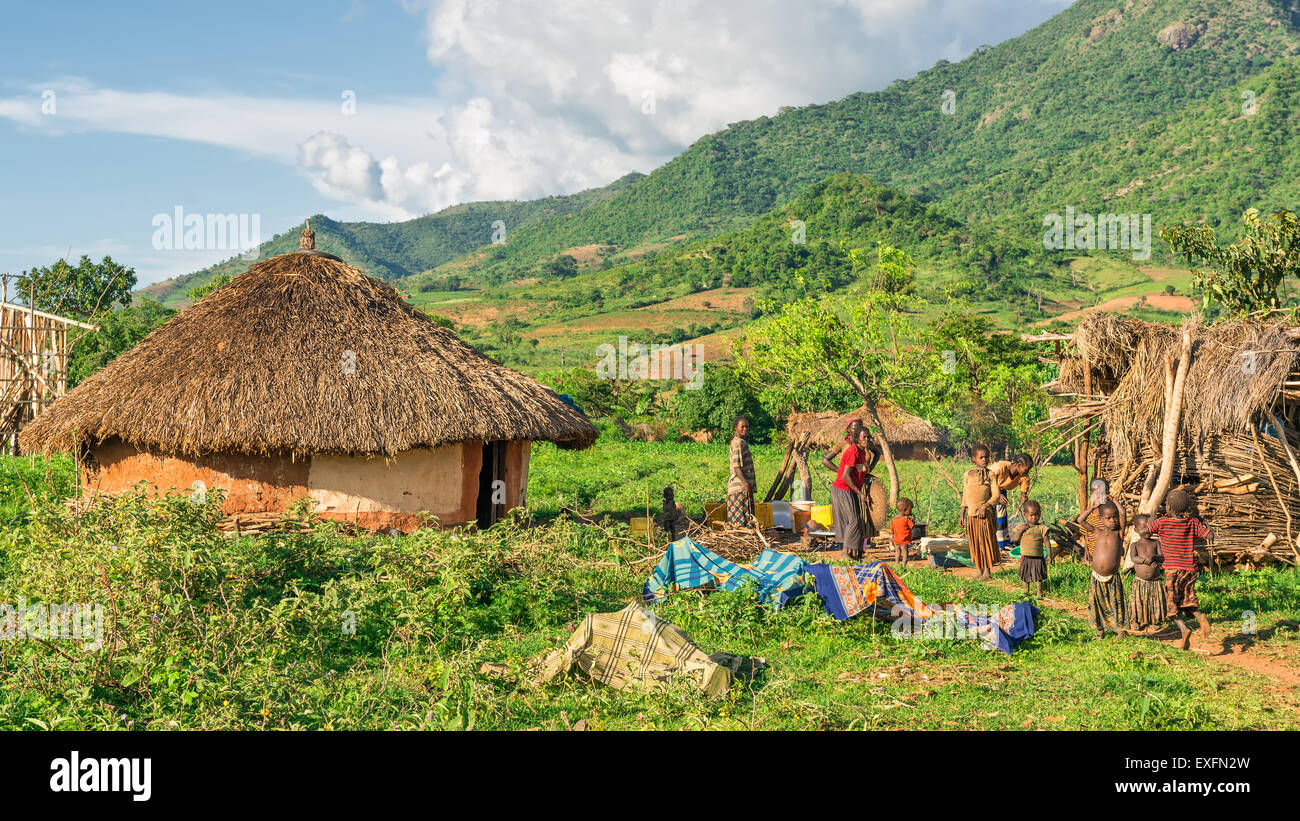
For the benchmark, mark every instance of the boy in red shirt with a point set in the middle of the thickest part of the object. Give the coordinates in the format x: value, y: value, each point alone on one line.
x: 1176, y: 533
x: 901, y: 529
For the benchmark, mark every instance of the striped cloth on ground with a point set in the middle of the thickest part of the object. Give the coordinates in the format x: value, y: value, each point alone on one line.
x: 687, y: 565
x: 632, y: 648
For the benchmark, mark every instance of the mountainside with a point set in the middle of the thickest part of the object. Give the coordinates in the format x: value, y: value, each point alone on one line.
x: 399, y: 249
x: 822, y: 240
x: 1133, y: 105
x: 1090, y: 77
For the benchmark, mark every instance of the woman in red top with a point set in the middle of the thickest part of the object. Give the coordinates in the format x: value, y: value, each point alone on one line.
x: 846, y: 507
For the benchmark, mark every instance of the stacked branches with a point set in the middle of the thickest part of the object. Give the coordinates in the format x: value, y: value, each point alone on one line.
x: 1235, y: 445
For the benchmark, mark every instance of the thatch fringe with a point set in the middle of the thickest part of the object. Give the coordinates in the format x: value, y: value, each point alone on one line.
x: 1238, y: 370
x: 1243, y: 375
x: 826, y: 429
x: 304, y: 354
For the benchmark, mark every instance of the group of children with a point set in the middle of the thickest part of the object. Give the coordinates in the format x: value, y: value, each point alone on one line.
x: 1165, y: 572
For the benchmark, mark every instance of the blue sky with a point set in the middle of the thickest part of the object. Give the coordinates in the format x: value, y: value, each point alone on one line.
x: 238, y: 107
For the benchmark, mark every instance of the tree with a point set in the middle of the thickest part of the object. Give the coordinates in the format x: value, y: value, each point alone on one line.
x: 80, y: 292
x: 119, y: 331
x: 997, y: 395
x: 199, y: 291
x: 722, y: 396
x: 860, y: 343
x: 562, y: 267
x: 1244, y: 276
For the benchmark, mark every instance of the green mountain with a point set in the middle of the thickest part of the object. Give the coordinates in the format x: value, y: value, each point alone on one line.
x: 1073, y: 93
x: 395, y: 250
x: 1133, y: 105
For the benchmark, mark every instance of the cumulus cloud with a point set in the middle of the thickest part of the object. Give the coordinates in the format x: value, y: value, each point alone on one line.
x: 572, y: 93
x: 545, y: 98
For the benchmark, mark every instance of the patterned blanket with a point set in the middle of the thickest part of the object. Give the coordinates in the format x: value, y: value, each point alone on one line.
x: 847, y: 591
x: 633, y: 648
x: 689, y: 566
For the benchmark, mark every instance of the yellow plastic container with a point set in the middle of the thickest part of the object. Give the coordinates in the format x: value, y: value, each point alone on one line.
x: 821, y: 514
x: 763, y: 512
x: 715, y: 511
x: 640, y: 526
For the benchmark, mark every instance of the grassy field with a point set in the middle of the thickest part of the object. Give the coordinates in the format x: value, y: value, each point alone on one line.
x: 209, y: 632
x: 620, y: 478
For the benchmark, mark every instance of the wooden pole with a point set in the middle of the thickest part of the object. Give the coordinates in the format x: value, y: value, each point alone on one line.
x: 1081, y: 453
x: 1173, y: 416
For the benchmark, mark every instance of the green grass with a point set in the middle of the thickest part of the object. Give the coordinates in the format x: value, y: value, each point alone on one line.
x: 617, y: 477
x: 25, y: 479
x: 217, y: 633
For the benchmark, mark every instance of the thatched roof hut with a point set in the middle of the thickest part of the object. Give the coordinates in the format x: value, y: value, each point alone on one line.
x: 908, y: 435
x: 305, y: 377
x: 1238, y: 435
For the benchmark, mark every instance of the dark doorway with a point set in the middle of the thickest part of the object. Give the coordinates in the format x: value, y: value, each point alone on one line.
x: 491, y: 483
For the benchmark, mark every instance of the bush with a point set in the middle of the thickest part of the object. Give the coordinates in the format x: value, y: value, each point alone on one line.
x: 722, y: 396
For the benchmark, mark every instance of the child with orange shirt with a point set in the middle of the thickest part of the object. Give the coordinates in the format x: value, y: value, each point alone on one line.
x: 901, y: 530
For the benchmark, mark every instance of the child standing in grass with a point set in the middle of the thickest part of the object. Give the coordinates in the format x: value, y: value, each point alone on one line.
x: 1176, y: 532
x: 1033, y: 539
x: 901, y: 530
x: 980, y: 493
x: 1149, y: 606
x: 1107, y: 609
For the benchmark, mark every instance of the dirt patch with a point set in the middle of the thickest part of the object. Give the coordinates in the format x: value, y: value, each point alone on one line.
x: 1163, y: 302
x: 584, y: 253
x: 1171, y: 302
x: 719, y: 299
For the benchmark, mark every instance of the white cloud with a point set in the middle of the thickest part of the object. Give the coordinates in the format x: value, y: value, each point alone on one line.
x: 571, y: 93
x: 544, y: 98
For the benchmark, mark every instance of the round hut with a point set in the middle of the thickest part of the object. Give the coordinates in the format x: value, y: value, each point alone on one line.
x: 305, y: 378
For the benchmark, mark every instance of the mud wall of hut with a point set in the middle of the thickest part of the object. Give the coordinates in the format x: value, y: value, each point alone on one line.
x: 370, y: 491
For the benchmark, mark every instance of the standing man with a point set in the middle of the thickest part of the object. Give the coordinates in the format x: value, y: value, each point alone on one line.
x: 742, y: 484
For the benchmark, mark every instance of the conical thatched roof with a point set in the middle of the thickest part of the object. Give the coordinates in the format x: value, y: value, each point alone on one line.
x: 304, y: 354
x: 827, y: 427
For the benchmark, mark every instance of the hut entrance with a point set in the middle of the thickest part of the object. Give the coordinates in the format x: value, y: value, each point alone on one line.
x: 491, y: 484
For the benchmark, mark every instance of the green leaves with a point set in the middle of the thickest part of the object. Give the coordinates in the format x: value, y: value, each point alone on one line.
x: 1245, y: 276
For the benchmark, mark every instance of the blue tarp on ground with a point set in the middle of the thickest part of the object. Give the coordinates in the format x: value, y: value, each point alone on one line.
x: 844, y: 591
x: 688, y: 566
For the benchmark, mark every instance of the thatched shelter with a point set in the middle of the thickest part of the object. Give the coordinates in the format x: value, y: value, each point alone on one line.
x: 1236, y: 436
x: 909, y: 436
x: 303, y: 377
